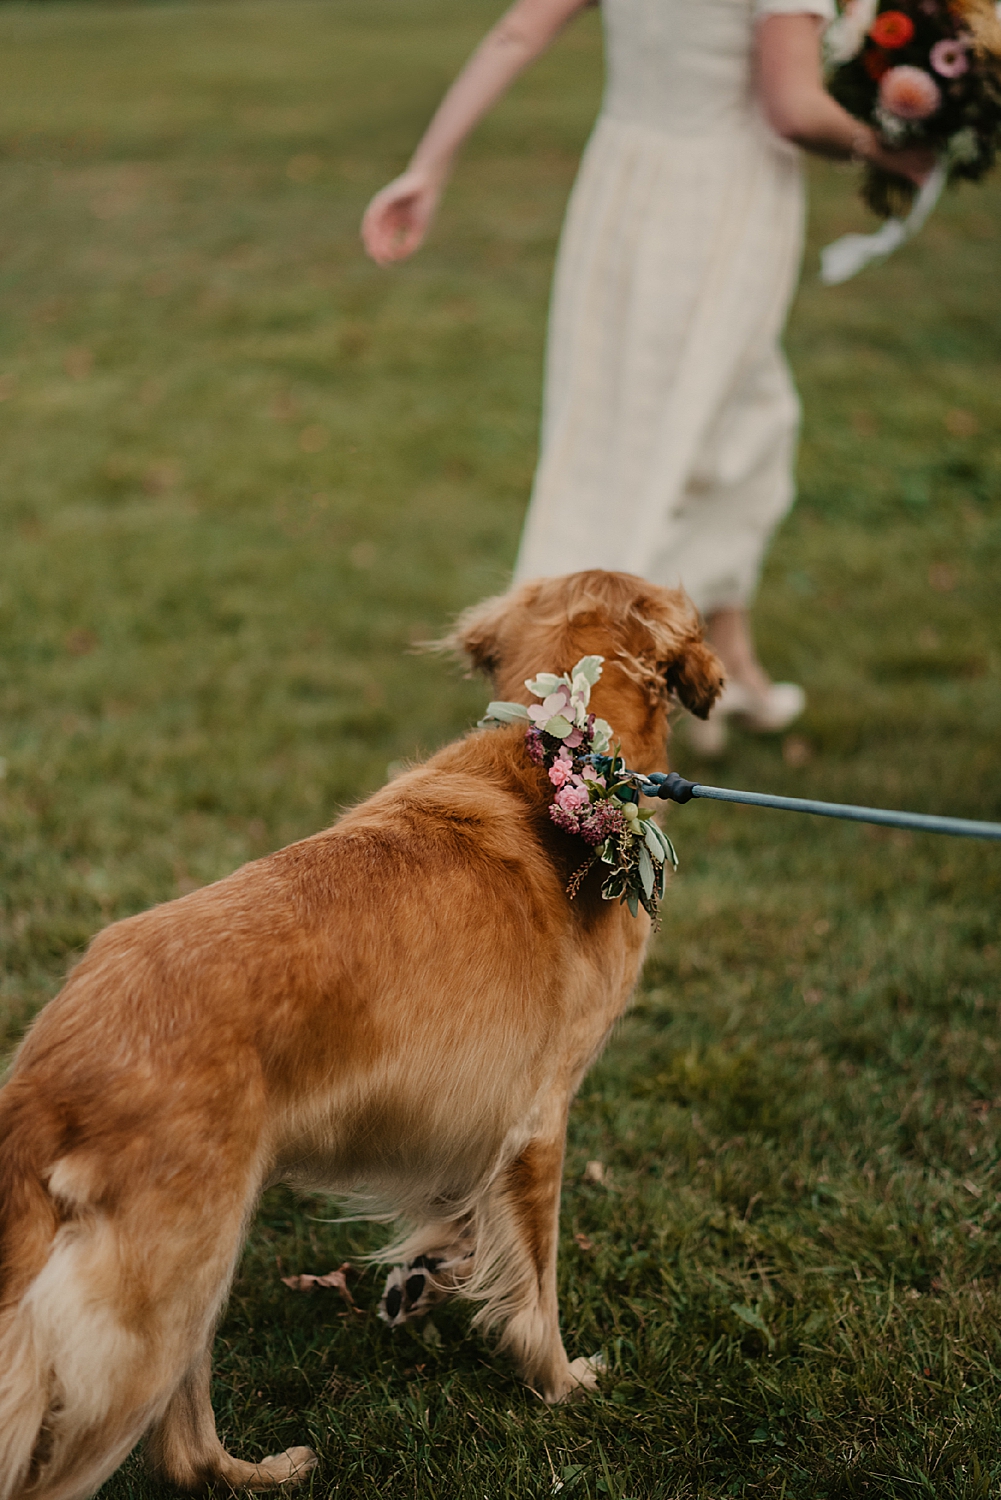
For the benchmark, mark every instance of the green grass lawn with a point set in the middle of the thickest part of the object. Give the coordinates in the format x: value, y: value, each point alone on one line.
x: 242, y: 471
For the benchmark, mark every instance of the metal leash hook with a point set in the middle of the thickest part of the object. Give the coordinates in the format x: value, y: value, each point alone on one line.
x: 675, y: 788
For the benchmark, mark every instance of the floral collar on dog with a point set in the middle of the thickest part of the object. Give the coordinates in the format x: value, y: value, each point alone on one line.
x: 597, y: 798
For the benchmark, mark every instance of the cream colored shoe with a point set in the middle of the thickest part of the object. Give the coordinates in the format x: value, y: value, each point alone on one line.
x: 763, y: 713
x: 766, y: 713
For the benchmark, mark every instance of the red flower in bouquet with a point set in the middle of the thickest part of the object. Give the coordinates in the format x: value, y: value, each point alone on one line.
x: 909, y: 93
x: 892, y: 29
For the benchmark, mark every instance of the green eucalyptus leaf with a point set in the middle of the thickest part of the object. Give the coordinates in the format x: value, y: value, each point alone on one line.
x: 602, y: 736
x: 544, y: 684
x: 504, y: 713
x: 559, y: 727
x: 632, y: 901
x: 588, y: 667
x: 646, y: 871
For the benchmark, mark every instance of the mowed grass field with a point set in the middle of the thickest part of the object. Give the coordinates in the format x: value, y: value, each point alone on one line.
x: 242, y: 472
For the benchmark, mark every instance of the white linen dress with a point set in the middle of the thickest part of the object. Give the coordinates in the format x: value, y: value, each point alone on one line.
x: 669, y: 416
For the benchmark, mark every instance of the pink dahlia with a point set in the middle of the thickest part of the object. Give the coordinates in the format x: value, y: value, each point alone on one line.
x: 909, y: 93
x: 949, y: 58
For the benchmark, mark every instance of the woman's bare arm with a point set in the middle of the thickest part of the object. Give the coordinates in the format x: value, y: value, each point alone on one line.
x: 799, y: 108
x: 397, y: 218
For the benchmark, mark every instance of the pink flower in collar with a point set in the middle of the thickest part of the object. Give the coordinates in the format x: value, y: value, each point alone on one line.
x: 561, y: 770
x: 555, y: 703
x: 572, y: 799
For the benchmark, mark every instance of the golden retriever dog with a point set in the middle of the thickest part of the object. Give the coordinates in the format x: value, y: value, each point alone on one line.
x: 401, y: 1006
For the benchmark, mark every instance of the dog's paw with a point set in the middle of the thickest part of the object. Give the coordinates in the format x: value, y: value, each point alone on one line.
x: 289, y: 1467
x: 582, y: 1376
x: 410, y: 1291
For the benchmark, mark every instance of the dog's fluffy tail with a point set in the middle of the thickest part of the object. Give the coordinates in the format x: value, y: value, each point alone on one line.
x: 69, y: 1374
x: 27, y: 1226
x: 88, y: 1358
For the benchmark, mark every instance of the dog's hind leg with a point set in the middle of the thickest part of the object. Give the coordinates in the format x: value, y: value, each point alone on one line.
x: 516, y: 1245
x: 184, y: 1448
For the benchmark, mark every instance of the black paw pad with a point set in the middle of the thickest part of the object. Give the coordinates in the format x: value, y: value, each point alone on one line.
x: 409, y: 1292
x: 412, y: 1289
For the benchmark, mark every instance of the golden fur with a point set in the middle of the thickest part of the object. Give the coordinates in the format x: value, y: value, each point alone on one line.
x: 402, y: 1005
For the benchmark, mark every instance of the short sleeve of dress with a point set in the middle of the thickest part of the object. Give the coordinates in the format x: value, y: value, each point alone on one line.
x: 824, y: 8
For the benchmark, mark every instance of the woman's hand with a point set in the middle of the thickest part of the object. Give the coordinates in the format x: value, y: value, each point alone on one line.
x: 397, y: 218
x: 913, y: 162
x: 798, y: 107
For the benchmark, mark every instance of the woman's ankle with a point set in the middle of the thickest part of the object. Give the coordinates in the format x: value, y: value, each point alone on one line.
x: 729, y: 633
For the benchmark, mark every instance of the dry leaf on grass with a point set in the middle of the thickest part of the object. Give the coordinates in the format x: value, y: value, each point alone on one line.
x: 338, y: 1279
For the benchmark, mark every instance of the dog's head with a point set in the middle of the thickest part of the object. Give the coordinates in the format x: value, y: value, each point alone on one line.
x: 651, y: 639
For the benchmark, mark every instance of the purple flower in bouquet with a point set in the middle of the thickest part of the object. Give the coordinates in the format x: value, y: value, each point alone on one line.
x: 909, y: 93
x: 604, y: 821
x: 566, y: 821
x: 949, y: 58
x: 535, y: 747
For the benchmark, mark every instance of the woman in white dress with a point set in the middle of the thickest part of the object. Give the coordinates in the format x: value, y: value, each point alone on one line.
x: 670, y: 419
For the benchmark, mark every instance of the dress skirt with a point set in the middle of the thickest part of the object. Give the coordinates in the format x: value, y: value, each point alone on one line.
x: 669, y: 416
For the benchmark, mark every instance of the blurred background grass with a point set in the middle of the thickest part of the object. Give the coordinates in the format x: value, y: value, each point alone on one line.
x: 242, y: 471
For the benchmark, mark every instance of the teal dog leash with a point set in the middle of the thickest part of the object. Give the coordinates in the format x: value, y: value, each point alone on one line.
x: 675, y: 788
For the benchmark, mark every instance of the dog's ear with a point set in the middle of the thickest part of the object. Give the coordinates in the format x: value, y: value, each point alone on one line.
x: 477, y: 632
x: 696, y: 678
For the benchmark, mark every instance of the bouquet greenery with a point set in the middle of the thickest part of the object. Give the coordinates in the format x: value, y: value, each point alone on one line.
x: 922, y: 72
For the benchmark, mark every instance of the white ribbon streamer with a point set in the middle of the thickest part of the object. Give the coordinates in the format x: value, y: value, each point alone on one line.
x: 844, y: 258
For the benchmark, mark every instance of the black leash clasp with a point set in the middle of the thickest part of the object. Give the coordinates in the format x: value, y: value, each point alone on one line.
x: 672, y: 787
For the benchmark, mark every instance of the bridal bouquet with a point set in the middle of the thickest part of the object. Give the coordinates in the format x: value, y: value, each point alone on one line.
x: 922, y: 72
